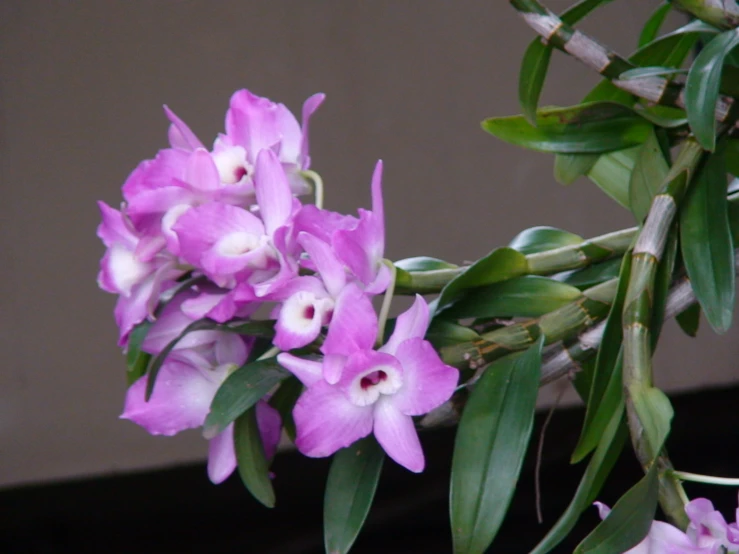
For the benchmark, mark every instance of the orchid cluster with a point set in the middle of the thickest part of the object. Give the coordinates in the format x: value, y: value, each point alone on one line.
x: 250, y: 312
x: 215, y: 235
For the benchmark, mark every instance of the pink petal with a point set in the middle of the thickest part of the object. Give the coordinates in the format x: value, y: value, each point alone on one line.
x: 397, y: 435
x: 181, y: 399
x: 273, y: 191
x: 270, y: 428
x: 354, y: 324
x: 231, y: 349
x: 308, y: 371
x: 300, y: 320
x: 327, y: 265
x: 333, y: 367
x: 322, y: 223
x: 290, y: 135
x: 201, y: 172
x: 251, y: 122
x: 326, y: 421
x: 221, y: 456
x: 169, y: 164
x: 427, y: 381
x: 200, y: 228
x: 412, y: 323
x: 113, y: 229
x: 180, y: 135
x: 309, y: 107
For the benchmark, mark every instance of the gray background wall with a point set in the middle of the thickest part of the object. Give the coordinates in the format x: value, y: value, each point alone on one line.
x: 81, y: 88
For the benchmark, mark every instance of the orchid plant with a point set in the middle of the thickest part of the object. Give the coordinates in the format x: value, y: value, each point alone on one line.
x: 247, y: 310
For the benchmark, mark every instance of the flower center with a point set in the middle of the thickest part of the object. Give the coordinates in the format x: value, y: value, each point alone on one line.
x: 232, y: 165
x: 368, y: 386
x: 236, y: 244
x: 372, y: 379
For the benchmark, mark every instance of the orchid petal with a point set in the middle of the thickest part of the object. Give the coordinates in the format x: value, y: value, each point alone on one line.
x: 180, y: 135
x: 270, y: 427
x: 250, y: 122
x: 273, y: 191
x: 201, y: 172
x: 327, y: 264
x: 181, y: 399
x: 308, y: 371
x: 412, y: 323
x: 397, y: 435
x: 290, y: 135
x: 427, y: 381
x: 326, y: 421
x: 309, y: 108
x: 221, y: 456
x: 113, y: 229
x: 231, y: 349
x: 354, y: 324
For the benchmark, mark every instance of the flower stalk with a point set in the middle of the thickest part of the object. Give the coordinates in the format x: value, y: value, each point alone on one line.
x: 719, y: 13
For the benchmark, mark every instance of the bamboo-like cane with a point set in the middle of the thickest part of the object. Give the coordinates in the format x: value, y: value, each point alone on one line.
x: 609, y: 64
x: 723, y: 14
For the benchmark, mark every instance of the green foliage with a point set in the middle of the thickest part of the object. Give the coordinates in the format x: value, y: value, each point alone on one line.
x: 605, y: 395
x: 702, y: 87
x: 629, y: 521
x: 350, y: 489
x: 499, y: 265
x: 539, y: 239
x: 252, y: 462
x: 240, y: 391
x: 707, y: 244
x: 610, y: 445
x: 527, y: 296
x: 136, y: 359
x: 490, y: 446
x: 586, y: 128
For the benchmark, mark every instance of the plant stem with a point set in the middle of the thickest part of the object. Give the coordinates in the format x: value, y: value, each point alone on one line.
x: 609, y: 64
x: 637, y: 315
x: 564, y: 323
x: 710, y: 479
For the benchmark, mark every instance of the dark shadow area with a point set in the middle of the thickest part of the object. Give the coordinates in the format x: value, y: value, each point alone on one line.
x: 179, y: 511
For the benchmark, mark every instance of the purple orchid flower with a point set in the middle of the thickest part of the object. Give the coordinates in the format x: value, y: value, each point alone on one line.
x: 138, y: 278
x: 187, y: 383
x: 377, y: 391
x: 231, y: 244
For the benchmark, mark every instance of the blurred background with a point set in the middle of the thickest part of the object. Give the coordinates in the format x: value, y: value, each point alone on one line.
x: 81, y: 91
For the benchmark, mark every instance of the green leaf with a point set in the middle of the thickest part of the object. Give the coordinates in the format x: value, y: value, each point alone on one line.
x: 629, y: 520
x: 707, y: 245
x: 732, y: 156
x: 591, y: 275
x: 605, y: 394
x: 609, y: 448
x: 423, y: 263
x: 491, y: 442
x: 653, y: 71
x: 578, y: 11
x: 527, y: 296
x: 702, y: 87
x: 284, y: 399
x: 651, y: 27
x: 350, y: 489
x: 136, y: 359
x: 253, y: 328
x: 531, y: 77
x: 499, y: 265
x: 240, y: 391
x: 689, y: 319
x: 649, y: 171
x: 539, y: 239
x: 655, y: 413
x: 670, y: 50
x: 535, y: 62
x: 252, y: 463
x: 569, y: 167
x: 156, y: 364
x: 586, y: 128
x: 612, y: 174
x: 445, y: 333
